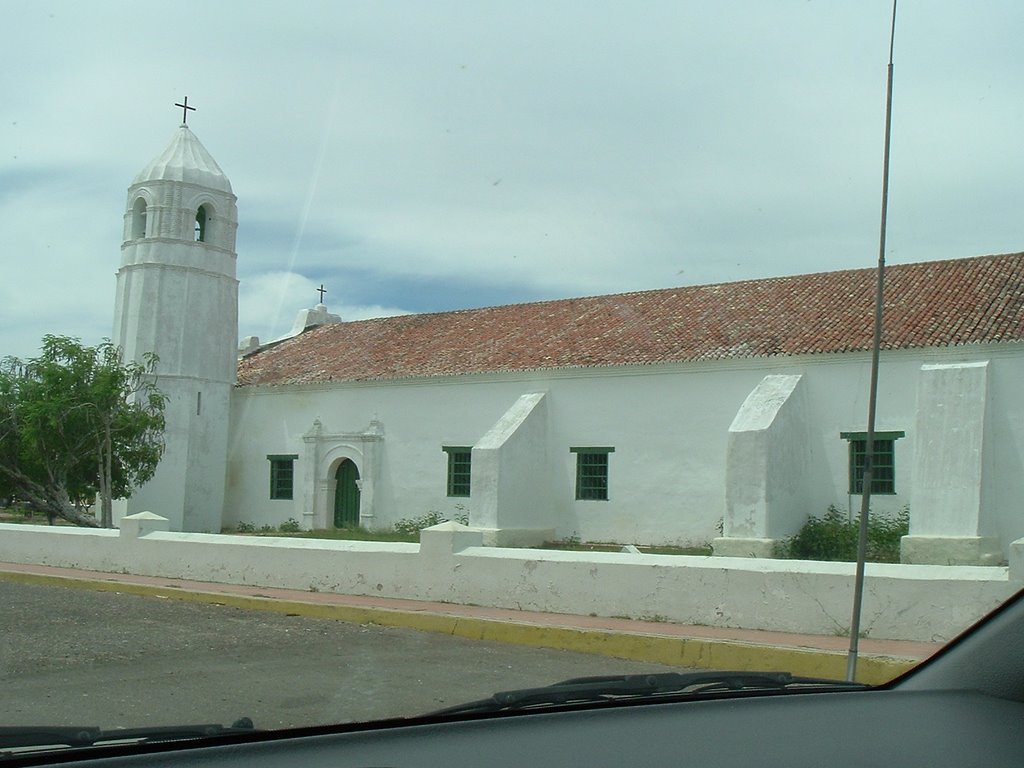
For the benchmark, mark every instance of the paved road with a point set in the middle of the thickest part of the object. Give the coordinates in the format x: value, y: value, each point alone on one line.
x: 73, y: 656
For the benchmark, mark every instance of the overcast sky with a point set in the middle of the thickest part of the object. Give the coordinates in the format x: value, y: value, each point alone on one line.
x: 423, y: 156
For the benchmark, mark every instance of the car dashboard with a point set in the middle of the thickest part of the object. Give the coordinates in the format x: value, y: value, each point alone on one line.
x: 861, y: 728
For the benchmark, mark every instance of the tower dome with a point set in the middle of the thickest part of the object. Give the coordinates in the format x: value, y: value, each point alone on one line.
x: 182, y: 194
x: 185, y: 159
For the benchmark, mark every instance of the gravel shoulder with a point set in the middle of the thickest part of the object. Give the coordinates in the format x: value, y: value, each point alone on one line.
x: 73, y: 656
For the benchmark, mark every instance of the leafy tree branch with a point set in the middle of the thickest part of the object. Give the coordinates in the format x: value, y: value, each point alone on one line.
x: 77, y: 423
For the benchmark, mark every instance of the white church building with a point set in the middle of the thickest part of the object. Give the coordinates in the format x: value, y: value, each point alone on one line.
x: 725, y: 413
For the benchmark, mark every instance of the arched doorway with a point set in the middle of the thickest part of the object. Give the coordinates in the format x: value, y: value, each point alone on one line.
x: 346, y: 495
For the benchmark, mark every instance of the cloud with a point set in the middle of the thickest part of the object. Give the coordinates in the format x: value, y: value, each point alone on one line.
x: 55, y: 280
x: 521, y: 150
x: 269, y: 302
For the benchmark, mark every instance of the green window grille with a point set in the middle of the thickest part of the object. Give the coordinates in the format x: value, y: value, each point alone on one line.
x: 282, y: 476
x: 459, y: 465
x: 592, y: 473
x: 883, y: 474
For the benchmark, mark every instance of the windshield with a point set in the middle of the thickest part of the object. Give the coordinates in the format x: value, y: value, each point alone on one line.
x: 363, y: 360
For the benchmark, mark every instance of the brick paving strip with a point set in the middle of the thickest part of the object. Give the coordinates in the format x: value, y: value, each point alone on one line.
x: 685, y: 645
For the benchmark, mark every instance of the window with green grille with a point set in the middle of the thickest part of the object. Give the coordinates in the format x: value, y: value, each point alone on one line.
x: 592, y: 473
x: 459, y: 463
x: 883, y: 472
x: 282, y: 476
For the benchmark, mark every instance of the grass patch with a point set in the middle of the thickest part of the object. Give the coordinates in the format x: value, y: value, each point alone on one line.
x: 337, y: 534
x: 574, y: 545
x: 701, y: 550
x: 405, y: 530
x: 357, y: 534
x: 26, y: 516
x: 408, y: 531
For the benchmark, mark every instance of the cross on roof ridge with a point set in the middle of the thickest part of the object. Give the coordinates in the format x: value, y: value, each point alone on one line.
x: 184, y: 111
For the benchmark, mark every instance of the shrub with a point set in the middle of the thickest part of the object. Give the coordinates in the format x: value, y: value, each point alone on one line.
x: 884, y: 534
x: 245, y: 528
x: 573, y: 541
x: 834, y: 537
x: 411, y: 526
x: 291, y: 525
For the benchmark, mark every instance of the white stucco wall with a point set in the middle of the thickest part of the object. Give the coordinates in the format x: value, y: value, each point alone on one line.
x: 188, y: 488
x: 1004, y: 463
x: 668, y: 424
x: 179, y: 299
x: 904, y: 602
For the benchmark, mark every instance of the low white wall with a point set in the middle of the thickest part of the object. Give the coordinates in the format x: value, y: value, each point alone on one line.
x: 904, y: 602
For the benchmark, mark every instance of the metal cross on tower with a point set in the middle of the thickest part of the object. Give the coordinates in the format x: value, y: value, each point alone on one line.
x: 322, y: 291
x: 184, y: 111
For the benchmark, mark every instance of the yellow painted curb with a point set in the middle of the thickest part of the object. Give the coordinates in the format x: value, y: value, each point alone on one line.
x: 700, y: 653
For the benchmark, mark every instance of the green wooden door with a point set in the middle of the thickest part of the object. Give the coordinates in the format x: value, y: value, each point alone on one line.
x: 346, y: 496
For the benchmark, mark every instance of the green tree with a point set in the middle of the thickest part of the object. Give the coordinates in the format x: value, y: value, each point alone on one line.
x: 77, y: 423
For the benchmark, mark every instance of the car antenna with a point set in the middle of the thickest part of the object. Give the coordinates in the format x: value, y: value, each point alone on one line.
x: 869, y: 442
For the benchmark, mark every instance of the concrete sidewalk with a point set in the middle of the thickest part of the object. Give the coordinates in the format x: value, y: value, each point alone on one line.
x: 666, y: 643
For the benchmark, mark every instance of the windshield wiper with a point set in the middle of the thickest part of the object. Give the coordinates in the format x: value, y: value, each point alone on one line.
x: 582, y: 690
x: 21, y: 738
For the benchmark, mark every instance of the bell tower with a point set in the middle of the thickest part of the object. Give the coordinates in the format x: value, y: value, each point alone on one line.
x: 177, y: 296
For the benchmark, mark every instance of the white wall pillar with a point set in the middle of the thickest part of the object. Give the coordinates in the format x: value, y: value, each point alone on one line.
x: 766, y: 466
x: 373, y: 443
x: 141, y: 524
x: 511, y: 477
x: 311, y: 491
x: 949, y: 519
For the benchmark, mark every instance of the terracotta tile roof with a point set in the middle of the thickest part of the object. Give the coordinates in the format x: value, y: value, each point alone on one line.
x: 939, y: 303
